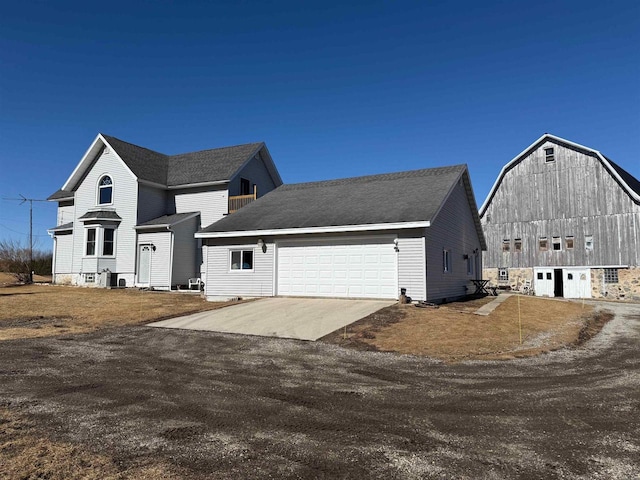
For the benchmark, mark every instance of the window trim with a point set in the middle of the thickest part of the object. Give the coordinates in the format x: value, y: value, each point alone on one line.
x: 506, y: 245
x: 94, y: 242
x: 549, y: 155
x: 588, y: 242
x: 242, y: 251
x: 556, y: 241
x: 517, y: 245
x: 113, y: 242
x: 546, y: 244
x: 446, y: 261
x: 501, y: 277
x: 100, y: 187
x: 567, y: 239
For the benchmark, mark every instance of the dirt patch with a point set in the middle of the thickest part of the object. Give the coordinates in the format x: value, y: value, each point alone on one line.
x: 46, y: 310
x: 520, y: 326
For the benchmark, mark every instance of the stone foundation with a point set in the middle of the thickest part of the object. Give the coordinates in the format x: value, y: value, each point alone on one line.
x: 517, y: 276
x: 627, y: 288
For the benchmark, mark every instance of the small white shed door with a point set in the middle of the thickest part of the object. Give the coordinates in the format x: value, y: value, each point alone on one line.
x: 577, y: 282
x: 352, y: 269
x: 543, y: 285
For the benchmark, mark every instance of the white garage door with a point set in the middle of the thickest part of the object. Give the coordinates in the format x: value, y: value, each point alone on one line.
x: 357, y: 269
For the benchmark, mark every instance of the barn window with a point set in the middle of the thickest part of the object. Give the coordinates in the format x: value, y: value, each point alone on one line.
x: 517, y: 245
x: 568, y: 242
x: 540, y: 276
x: 569, y: 276
x: 241, y: 259
x: 610, y: 275
x: 503, y: 274
x: 543, y: 244
x: 556, y: 243
x: 446, y: 261
x: 548, y: 155
x: 588, y: 242
x: 506, y: 245
x: 89, y: 277
x: 105, y: 190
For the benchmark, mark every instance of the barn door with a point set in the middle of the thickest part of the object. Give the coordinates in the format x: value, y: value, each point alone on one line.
x: 544, y: 284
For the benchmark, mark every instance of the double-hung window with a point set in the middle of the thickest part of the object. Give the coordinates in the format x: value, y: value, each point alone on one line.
x: 90, y: 248
x: 241, y: 260
x: 108, y: 241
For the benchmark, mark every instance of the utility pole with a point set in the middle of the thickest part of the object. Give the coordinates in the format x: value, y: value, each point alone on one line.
x: 24, y: 200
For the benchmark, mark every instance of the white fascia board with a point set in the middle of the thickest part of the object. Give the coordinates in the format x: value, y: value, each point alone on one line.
x: 195, y: 185
x: 86, y: 160
x: 307, y: 230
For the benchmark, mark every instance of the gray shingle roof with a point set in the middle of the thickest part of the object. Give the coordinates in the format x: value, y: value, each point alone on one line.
x: 167, y: 220
x: 62, y: 228
x: 395, y: 197
x: 101, y: 215
x: 60, y: 194
x: 213, y: 165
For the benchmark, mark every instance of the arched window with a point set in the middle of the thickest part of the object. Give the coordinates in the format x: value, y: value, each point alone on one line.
x: 105, y: 190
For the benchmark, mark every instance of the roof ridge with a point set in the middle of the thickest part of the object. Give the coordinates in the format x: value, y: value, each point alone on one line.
x: 213, y: 149
x: 378, y: 176
x: 109, y: 137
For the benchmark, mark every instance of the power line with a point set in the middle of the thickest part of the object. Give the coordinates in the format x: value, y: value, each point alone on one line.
x: 22, y: 201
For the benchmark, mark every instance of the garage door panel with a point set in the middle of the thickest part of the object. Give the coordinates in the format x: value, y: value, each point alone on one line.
x: 366, y: 269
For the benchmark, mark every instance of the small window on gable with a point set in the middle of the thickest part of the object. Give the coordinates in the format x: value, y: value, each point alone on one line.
x: 568, y: 242
x: 241, y: 260
x: 548, y: 155
x: 543, y: 244
x: 105, y: 191
x: 446, y: 261
x: 610, y: 275
x: 588, y: 242
x: 557, y: 245
x: 506, y: 245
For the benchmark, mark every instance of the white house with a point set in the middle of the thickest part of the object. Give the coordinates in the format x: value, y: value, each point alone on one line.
x: 127, y: 215
x: 365, y: 237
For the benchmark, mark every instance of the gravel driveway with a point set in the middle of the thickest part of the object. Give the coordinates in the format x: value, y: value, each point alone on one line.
x: 226, y: 406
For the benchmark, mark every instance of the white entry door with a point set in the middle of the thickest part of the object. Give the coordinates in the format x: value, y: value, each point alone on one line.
x: 543, y: 285
x: 362, y: 268
x: 577, y: 282
x: 144, y: 263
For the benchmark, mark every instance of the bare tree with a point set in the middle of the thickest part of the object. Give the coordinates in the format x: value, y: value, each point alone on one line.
x: 15, y: 258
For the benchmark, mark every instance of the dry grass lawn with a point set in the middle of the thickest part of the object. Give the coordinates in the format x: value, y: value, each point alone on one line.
x: 453, y: 332
x: 46, y: 310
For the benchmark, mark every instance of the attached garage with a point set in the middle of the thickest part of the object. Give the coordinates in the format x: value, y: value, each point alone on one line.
x: 358, y: 268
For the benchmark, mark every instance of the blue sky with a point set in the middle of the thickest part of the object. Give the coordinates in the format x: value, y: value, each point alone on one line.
x: 334, y: 89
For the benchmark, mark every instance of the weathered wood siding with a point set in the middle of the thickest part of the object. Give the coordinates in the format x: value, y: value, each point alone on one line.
x: 185, y: 252
x: 573, y: 196
x: 256, y: 172
x: 454, y: 230
x: 222, y: 282
x: 125, y: 187
x: 212, y: 202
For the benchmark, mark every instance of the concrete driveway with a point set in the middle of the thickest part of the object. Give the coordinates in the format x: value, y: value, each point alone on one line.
x: 300, y: 318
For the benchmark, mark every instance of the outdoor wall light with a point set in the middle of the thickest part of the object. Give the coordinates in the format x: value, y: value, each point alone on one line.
x: 395, y: 245
x: 262, y: 245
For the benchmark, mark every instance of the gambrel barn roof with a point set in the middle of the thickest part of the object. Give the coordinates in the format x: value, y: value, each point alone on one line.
x: 626, y: 181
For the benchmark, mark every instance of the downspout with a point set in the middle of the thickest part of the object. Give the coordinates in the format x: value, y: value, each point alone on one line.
x: 171, y: 257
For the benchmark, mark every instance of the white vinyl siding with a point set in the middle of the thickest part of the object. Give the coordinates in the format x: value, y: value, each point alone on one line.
x: 411, y: 265
x: 211, y: 202
x: 124, y: 203
x: 257, y: 174
x: 221, y: 282
x: 185, y: 252
x: 63, y: 253
x: 453, y: 230
x: 160, y: 258
x: 65, y: 213
x: 152, y: 203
